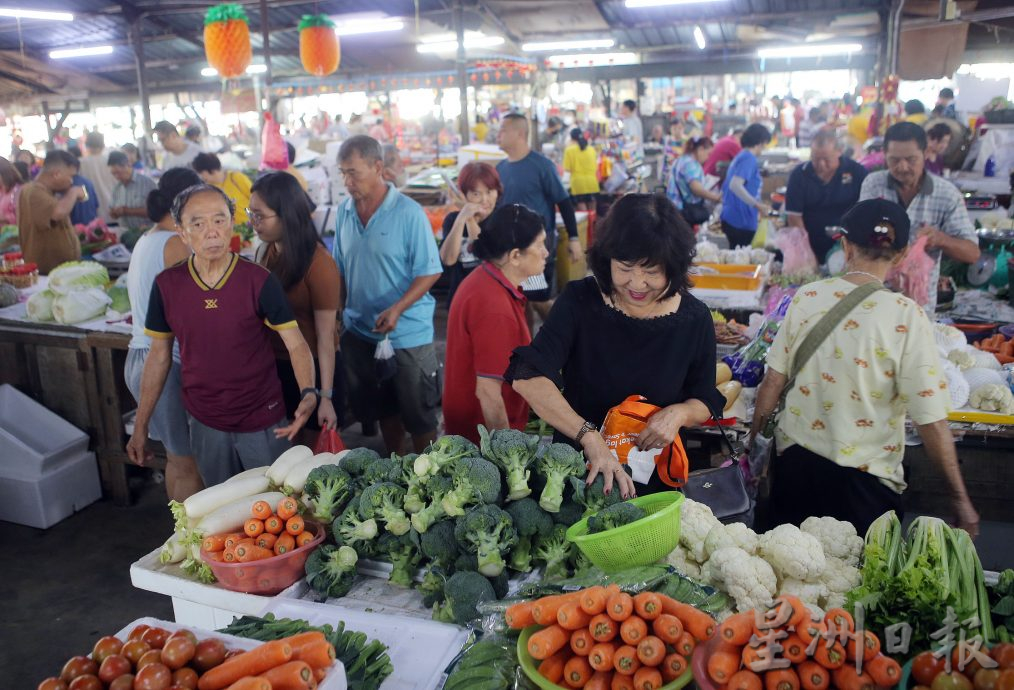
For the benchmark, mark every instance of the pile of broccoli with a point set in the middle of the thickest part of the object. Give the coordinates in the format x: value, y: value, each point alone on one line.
x: 555, y: 463
x: 614, y: 516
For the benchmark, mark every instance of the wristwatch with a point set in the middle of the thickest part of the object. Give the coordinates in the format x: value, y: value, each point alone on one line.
x: 585, y: 428
x: 326, y: 392
x: 308, y: 391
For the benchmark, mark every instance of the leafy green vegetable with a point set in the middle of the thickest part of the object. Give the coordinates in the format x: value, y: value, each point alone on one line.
x: 614, y: 516
x: 72, y: 275
x: 557, y: 462
x: 512, y: 451
x: 331, y: 571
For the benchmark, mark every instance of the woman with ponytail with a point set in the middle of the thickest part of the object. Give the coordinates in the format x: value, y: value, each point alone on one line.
x: 581, y: 161
x: 685, y: 186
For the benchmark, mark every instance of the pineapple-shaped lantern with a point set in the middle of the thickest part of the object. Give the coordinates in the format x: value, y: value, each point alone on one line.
x: 318, y: 45
x: 227, y: 40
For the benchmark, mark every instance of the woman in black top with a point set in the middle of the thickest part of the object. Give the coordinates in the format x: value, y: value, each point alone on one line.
x: 632, y: 329
x: 480, y: 184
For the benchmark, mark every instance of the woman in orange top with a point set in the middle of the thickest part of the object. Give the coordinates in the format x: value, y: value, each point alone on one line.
x: 281, y: 215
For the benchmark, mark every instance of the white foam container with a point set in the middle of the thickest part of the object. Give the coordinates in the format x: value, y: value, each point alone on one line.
x: 334, y: 680
x: 420, y: 650
x: 34, y: 440
x: 55, y: 496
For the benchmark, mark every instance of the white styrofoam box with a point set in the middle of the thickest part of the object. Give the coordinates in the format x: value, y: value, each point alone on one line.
x: 34, y: 440
x: 54, y: 496
x: 479, y: 152
x: 208, y: 606
x: 420, y: 650
x: 334, y: 680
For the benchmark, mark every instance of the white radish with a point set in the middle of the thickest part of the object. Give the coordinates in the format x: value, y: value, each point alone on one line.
x: 285, y: 462
x: 204, y: 502
x: 174, y: 550
x: 295, y: 480
x: 255, y: 472
x: 230, y: 517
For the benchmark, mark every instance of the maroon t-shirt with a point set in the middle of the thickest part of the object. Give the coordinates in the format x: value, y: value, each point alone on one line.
x: 485, y: 324
x: 228, y: 365
x: 725, y: 150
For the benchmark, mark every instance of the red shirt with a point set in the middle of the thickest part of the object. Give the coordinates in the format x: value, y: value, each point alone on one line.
x: 485, y: 324
x: 725, y: 150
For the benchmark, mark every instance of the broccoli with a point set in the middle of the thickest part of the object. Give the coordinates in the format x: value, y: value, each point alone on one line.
x: 529, y: 521
x: 553, y: 550
x: 442, y: 451
x: 354, y: 462
x: 383, y: 502
x: 328, y: 487
x: 439, y: 544
x: 474, y: 481
x: 331, y: 570
x: 592, y: 496
x: 501, y: 585
x: 570, y: 512
x: 382, y: 470
x: 555, y: 463
x: 464, y: 591
x: 434, y: 510
x: 403, y: 553
x: 614, y: 516
x: 432, y: 586
x: 512, y: 451
x: 465, y: 561
x: 580, y: 565
x: 488, y: 532
x: 350, y: 529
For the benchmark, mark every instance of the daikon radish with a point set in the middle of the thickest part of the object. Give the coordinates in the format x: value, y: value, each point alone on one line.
x: 255, y: 472
x: 281, y: 467
x: 230, y: 517
x: 207, y: 501
x: 296, y: 478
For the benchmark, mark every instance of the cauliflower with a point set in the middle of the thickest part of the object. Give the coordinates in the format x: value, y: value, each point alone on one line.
x: 696, y: 521
x: 834, y: 600
x: 736, y: 534
x: 957, y: 385
x: 992, y: 397
x: 838, y: 538
x: 948, y: 338
x: 810, y: 593
x: 681, y: 560
x: 793, y: 553
x: 839, y: 576
x: 962, y: 358
x: 747, y: 579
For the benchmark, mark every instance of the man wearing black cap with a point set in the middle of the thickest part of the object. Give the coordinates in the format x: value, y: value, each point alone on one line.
x: 841, y: 433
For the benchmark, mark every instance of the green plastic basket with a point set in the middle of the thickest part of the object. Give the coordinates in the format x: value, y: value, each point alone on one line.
x: 646, y: 541
x: 531, y: 667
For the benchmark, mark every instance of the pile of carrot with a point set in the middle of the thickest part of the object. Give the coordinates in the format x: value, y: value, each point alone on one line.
x: 268, y: 532
x: 602, y: 638
x: 299, y: 662
x: 999, y: 346
x: 821, y: 654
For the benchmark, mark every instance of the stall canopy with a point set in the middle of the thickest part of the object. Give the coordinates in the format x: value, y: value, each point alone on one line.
x: 662, y: 39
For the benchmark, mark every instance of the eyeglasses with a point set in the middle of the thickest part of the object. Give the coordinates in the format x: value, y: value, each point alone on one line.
x: 258, y: 217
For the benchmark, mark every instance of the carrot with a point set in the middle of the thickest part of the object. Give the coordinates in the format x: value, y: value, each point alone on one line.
x: 571, y: 617
x: 647, y: 678
x: 251, y: 552
x: 545, y: 609
x: 250, y: 683
x: 601, y: 657
x: 217, y: 556
x: 621, y: 682
x: 699, y: 624
x: 842, y: 620
x: 233, y: 539
x: 651, y: 651
x: 593, y: 600
x: 599, y: 681
x: 581, y: 642
x: 284, y: 544
x: 832, y: 657
x: 519, y: 616
x: 813, y: 676
x: 793, y: 649
x: 686, y: 644
x: 799, y: 614
x: 303, y: 639
x: 287, y: 507
x: 884, y: 670
x: 319, y: 674
x: 214, y: 543
x: 303, y: 538
x: 274, y: 524
x: 633, y: 630
x: 266, y: 541
x: 253, y: 527
x: 619, y: 606
x: 810, y: 630
x: 647, y: 605
x: 602, y: 628
x: 576, y: 672
x: 229, y: 555
x: 667, y: 628
x: 721, y: 666
x: 294, y: 525
x: 782, y: 679
x: 260, y: 510
x: 316, y: 654
x: 256, y: 661
x: 551, y: 668
x: 548, y: 641
x: 846, y: 678
x: 870, y: 647
x: 745, y: 680
x: 737, y: 629
x: 295, y: 675
x: 625, y: 660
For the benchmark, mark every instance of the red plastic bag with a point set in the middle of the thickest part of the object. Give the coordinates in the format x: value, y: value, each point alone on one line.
x: 329, y: 441
x: 274, y: 153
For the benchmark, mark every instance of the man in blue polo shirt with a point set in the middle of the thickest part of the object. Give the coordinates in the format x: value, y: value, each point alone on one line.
x: 388, y: 258
x: 821, y: 191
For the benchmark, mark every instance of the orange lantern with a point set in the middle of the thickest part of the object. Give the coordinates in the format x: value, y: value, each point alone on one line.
x: 318, y: 45
x: 227, y: 40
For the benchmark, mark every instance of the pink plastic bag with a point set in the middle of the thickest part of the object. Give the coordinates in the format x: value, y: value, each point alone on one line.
x: 797, y: 256
x: 912, y: 273
x: 274, y: 153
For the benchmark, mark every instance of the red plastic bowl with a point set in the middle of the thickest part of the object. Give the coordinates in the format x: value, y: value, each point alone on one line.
x: 699, y: 663
x: 270, y: 575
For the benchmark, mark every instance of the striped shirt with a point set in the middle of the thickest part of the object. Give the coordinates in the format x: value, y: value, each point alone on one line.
x: 134, y: 194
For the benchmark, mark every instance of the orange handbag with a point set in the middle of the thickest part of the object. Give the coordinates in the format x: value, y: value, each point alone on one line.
x: 624, y: 423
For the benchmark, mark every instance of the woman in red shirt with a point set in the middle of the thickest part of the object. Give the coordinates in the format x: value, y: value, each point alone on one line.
x: 487, y: 321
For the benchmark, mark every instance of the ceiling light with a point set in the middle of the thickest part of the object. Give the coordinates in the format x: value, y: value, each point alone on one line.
x: 699, y: 37
x: 810, y: 50
x: 36, y: 14
x: 209, y: 72
x: 367, y: 25
x: 472, y: 41
x: 80, y: 52
x: 588, y: 44
x: 663, y: 3
x: 256, y: 69
x: 591, y: 59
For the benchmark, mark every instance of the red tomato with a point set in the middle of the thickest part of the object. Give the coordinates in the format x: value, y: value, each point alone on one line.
x: 106, y: 646
x: 1003, y: 654
x: 86, y: 682
x: 185, y: 678
x: 208, y: 654
x: 1006, y: 680
x: 153, y: 656
x: 986, y: 679
x: 78, y: 666
x: 153, y: 677
x: 155, y: 637
x: 925, y: 668
x: 124, y: 682
x: 951, y: 681
x: 52, y: 684
x: 189, y: 634
x: 137, y: 632
x: 178, y: 652
x: 113, y: 667
x: 134, y: 650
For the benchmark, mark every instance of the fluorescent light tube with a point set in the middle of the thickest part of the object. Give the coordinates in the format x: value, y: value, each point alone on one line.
x: 256, y: 69
x: 664, y: 3
x: 588, y: 44
x: 801, y: 51
x: 356, y: 27
x: 80, y: 52
x: 471, y: 42
x: 699, y: 37
x: 18, y: 13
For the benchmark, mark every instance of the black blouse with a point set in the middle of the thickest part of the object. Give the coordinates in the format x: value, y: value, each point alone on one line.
x: 600, y: 356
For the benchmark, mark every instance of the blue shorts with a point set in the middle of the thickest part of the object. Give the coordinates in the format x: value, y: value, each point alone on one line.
x: 169, y: 420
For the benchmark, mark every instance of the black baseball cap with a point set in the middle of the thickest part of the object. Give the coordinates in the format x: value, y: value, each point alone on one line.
x: 877, y: 223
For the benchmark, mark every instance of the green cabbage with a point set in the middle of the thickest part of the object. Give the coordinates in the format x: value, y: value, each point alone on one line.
x: 40, y: 306
x: 73, y: 275
x: 121, y: 299
x: 80, y: 305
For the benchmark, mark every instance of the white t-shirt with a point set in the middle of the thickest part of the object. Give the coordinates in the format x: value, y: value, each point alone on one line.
x: 95, y: 169
x: 180, y: 160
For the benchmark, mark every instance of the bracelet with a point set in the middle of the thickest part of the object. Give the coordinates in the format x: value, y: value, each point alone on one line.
x: 307, y: 391
x: 326, y: 392
x: 585, y: 428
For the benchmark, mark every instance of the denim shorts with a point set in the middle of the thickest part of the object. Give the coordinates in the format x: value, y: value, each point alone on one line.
x: 169, y: 420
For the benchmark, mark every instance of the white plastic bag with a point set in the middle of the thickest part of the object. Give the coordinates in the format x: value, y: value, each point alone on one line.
x: 383, y: 360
